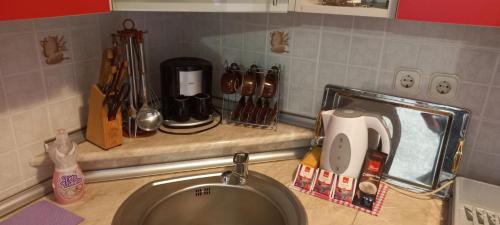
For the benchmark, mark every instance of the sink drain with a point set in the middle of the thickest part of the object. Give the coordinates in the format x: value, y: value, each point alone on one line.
x: 202, y: 191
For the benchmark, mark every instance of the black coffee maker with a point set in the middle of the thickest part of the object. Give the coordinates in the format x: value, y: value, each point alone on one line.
x: 185, y: 81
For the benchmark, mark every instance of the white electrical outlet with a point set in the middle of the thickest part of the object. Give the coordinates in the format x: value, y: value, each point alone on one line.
x: 443, y: 86
x: 407, y: 81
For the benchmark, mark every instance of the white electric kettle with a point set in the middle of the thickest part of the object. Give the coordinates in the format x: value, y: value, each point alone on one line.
x: 346, y: 140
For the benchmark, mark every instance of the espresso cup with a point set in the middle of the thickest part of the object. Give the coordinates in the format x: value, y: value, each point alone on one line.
x: 201, y: 106
x: 182, y: 111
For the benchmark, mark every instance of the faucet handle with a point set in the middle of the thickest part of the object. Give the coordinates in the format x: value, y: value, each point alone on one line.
x: 240, y: 157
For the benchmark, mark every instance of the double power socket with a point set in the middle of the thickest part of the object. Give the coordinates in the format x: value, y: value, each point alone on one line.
x: 441, y: 86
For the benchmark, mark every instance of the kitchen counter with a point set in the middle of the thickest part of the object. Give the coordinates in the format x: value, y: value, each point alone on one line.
x: 223, y: 140
x: 102, y: 200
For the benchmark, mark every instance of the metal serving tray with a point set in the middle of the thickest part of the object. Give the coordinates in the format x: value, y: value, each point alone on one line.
x: 425, y: 136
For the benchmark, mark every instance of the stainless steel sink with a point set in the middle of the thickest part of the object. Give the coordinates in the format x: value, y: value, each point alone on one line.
x: 205, y: 200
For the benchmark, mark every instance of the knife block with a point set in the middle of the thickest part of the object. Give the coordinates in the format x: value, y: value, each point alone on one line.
x: 101, y: 131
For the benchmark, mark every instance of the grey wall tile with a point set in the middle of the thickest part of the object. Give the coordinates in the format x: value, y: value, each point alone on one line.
x: 232, y: 35
x: 492, y: 104
x: 83, y: 20
x: 156, y: 33
x: 86, y: 74
x: 484, y: 167
x: 361, y: 78
x: 85, y: 43
x: 300, y: 100
x: 18, y: 54
x: 335, y: 47
x: 496, y: 80
x: 369, y: 25
x: 481, y: 36
x: 399, y: 53
x: 235, y: 17
x: 472, y: 96
x: 365, y: 51
x: 10, y: 170
x: 305, y: 43
x: 7, y: 141
x: 31, y: 126
x: 440, y: 32
x: 385, y: 82
x: 16, y: 26
x: 303, y: 73
x: 255, y: 37
x: 338, y: 23
x: 24, y: 90
x: 66, y: 114
x: 209, y: 32
x: 404, y: 29
x: 26, y: 154
x: 487, y: 140
x: 250, y: 58
x: 256, y: 18
x: 60, y: 82
x: 307, y: 20
x: 51, y: 23
x: 437, y: 58
x: 331, y: 73
x: 476, y: 65
x: 281, y: 20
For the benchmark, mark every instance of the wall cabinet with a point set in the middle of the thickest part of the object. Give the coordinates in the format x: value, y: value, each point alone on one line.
x: 372, y: 8
x: 25, y: 9
x: 479, y: 12
x: 201, y: 5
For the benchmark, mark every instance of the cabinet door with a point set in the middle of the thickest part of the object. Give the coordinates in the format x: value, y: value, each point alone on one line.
x: 476, y: 12
x: 375, y: 8
x: 23, y: 9
x: 201, y: 5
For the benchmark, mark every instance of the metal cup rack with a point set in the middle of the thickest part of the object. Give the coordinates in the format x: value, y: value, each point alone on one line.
x: 230, y: 101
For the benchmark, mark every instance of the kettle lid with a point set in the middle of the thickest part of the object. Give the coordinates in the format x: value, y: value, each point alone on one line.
x: 348, y: 113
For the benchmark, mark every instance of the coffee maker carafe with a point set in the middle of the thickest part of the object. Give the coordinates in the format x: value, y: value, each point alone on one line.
x: 182, y: 80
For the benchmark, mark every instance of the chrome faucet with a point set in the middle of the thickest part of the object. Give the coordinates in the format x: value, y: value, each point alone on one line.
x: 239, y: 174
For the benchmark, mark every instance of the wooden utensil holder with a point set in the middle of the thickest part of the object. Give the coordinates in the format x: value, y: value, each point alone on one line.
x: 101, y: 131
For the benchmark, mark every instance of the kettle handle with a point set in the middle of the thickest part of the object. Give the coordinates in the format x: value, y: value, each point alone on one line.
x: 376, y: 124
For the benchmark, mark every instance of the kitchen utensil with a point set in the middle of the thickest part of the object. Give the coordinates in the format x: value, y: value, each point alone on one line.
x: 261, y: 116
x: 231, y: 79
x: 235, y: 115
x: 346, y: 140
x: 249, y: 83
x: 272, y: 114
x: 132, y: 110
x: 254, y: 114
x: 148, y: 118
x: 182, y: 108
x: 270, y: 85
x: 117, y: 101
x: 201, y: 106
x: 106, y: 64
x: 249, y: 106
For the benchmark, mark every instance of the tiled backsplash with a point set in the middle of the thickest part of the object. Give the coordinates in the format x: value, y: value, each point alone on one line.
x: 361, y: 52
x: 36, y: 98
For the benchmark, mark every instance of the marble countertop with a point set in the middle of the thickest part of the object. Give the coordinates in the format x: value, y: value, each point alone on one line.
x: 223, y: 140
x: 102, y: 200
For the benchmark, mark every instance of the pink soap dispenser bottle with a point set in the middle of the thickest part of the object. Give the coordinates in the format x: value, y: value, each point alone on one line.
x: 67, y: 181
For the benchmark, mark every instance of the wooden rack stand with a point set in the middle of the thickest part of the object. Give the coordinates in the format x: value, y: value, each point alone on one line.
x: 101, y: 131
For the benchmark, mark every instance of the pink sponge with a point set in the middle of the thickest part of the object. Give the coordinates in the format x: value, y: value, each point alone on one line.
x: 43, y: 213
